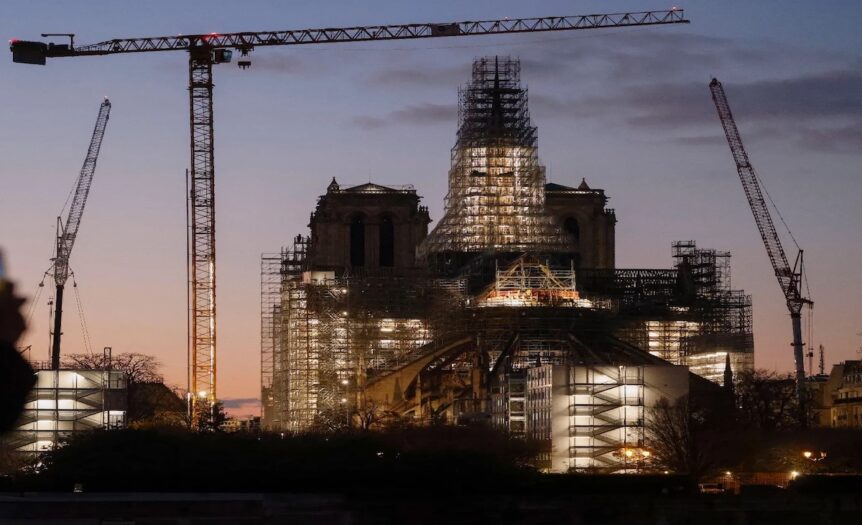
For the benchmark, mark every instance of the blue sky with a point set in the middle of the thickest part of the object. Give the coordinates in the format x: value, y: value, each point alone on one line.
x: 627, y: 109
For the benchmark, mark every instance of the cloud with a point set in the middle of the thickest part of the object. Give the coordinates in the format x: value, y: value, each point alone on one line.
x: 413, y: 114
x: 419, y: 75
x: 821, y: 111
x: 657, y: 81
x: 426, y: 113
x: 368, y: 122
x: 239, y: 402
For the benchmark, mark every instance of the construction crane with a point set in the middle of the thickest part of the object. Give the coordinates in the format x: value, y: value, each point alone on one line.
x: 790, y: 279
x: 204, y: 51
x: 67, y: 232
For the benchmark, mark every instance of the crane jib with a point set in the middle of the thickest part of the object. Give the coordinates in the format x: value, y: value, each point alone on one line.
x: 67, y: 232
x: 36, y: 52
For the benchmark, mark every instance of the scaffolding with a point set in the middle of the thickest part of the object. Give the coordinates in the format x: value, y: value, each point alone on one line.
x: 66, y: 402
x: 529, y: 282
x: 724, y: 315
x: 590, y: 418
x: 276, y: 269
x: 336, y: 332
x: 496, y: 197
x: 607, y: 414
x: 688, y: 315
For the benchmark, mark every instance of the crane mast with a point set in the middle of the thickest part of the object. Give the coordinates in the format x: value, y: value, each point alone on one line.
x: 208, y: 50
x: 67, y: 232
x: 789, y: 278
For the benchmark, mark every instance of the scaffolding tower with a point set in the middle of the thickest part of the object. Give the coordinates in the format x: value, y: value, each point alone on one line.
x: 66, y: 402
x: 276, y: 269
x: 496, y: 191
x: 688, y: 315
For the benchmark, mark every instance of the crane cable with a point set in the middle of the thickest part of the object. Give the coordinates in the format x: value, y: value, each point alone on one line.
x: 809, y: 318
x: 88, y: 344
x: 35, y: 301
x: 777, y: 211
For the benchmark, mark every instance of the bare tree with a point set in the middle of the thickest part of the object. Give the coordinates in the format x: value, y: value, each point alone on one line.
x: 371, y: 415
x: 671, y: 439
x: 140, y: 368
x: 767, y: 400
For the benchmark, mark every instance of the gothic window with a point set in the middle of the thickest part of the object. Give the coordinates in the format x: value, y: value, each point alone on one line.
x: 357, y: 241
x: 387, y: 241
x: 570, y: 226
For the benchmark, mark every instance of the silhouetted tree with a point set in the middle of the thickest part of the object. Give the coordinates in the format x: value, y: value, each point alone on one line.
x: 211, y: 420
x: 767, y: 400
x: 140, y: 368
x: 371, y: 416
x: 671, y: 439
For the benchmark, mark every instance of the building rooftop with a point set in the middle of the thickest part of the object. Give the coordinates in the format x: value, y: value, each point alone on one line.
x: 583, y: 188
x: 369, y: 187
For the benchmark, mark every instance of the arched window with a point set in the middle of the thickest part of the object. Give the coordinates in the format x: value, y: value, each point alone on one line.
x: 357, y: 241
x: 570, y: 226
x: 387, y: 241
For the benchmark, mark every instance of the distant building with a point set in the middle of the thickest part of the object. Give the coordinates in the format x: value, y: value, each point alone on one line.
x: 241, y: 424
x: 838, y: 399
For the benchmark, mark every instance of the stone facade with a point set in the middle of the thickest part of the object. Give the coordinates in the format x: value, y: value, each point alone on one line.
x: 588, y: 225
x: 366, y: 228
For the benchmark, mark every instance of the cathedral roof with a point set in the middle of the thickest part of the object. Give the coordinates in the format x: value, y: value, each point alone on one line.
x: 369, y: 187
x: 553, y: 186
x: 582, y: 187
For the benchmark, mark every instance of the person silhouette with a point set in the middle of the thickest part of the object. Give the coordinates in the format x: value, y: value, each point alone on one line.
x: 16, y: 375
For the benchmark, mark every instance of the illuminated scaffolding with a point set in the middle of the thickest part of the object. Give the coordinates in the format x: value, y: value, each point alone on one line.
x: 496, y: 198
x: 276, y: 269
x: 593, y: 416
x: 688, y: 315
x: 65, y: 402
x: 328, y: 334
x: 528, y: 282
x: 724, y: 315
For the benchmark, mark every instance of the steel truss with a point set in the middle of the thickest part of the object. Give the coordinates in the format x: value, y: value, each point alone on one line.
x: 202, y: 243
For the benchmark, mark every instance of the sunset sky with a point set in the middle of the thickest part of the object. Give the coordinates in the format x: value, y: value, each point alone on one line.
x: 628, y: 109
